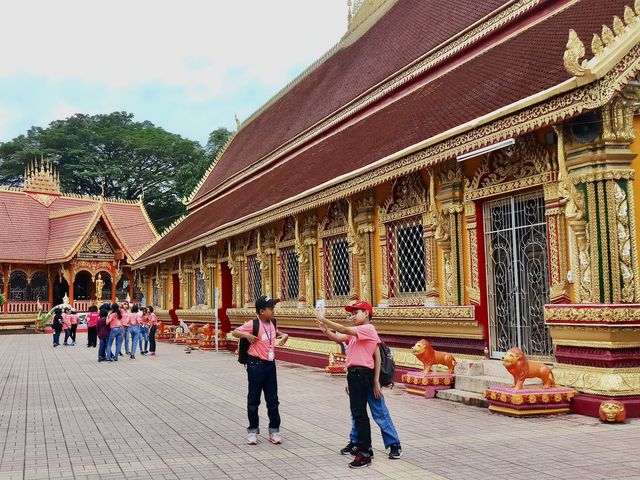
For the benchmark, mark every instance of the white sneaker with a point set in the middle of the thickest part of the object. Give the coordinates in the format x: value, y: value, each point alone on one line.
x: 252, y: 439
x: 275, y: 438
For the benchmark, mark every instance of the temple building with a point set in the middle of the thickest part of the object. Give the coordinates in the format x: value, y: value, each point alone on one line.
x: 470, y: 171
x: 54, y: 245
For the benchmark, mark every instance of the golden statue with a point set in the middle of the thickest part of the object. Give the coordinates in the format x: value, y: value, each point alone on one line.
x: 207, y: 331
x: 429, y: 357
x: 515, y: 361
x: 99, y: 286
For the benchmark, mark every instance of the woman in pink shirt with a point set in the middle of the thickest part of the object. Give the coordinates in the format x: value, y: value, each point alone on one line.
x: 73, y: 317
x: 153, y: 326
x: 144, y: 331
x: 126, y: 334
x: 114, y: 320
x: 134, y: 328
x: 66, y: 325
x: 92, y: 326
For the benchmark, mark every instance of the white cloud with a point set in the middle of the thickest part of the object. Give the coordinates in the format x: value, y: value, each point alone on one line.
x: 211, y: 48
x: 64, y: 110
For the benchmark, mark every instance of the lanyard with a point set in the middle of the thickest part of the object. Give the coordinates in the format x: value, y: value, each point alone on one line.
x: 268, y: 333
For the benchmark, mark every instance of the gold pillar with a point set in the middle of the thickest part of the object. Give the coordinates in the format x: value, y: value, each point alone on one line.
x: 448, y: 234
x: 307, y: 256
x: 557, y: 239
x: 266, y: 257
x: 364, y: 229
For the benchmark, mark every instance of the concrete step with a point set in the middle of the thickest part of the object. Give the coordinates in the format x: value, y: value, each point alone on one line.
x: 462, y: 396
x: 479, y: 383
x: 494, y: 368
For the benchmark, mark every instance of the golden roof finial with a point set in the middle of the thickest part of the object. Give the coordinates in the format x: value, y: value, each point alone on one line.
x: 238, y: 124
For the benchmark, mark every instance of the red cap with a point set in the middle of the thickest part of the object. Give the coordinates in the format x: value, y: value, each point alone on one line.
x: 359, y: 306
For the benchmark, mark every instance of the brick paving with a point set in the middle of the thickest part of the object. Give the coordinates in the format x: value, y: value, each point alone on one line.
x: 177, y: 416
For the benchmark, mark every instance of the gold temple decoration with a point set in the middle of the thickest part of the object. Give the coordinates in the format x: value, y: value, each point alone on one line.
x: 97, y: 245
x: 40, y: 176
x: 335, y: 226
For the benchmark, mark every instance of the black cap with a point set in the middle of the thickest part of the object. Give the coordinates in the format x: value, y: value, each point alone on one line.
x: 265, y: 302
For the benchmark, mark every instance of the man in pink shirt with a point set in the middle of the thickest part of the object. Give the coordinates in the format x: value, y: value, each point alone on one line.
x: 363, y: 369
x: 261, y: 369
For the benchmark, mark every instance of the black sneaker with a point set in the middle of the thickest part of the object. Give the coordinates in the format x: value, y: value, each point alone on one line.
x: 350, y: 449
x: 360, y: 461
x: 395, y: 452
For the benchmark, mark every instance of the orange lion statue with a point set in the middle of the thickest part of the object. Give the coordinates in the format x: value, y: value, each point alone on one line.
x: 429, y: 357
x: 515, y: 361
x: 161, y: 328
x: 612, y: 411
x: 207, y: 331
x: 193, y: 330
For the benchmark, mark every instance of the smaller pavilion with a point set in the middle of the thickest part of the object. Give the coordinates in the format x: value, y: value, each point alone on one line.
x: 54, y: 244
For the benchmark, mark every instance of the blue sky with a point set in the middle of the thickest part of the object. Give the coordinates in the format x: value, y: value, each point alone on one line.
x: 188, y: 66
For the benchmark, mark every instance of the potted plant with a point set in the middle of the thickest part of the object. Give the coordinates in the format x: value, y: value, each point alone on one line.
x: 2, y: 300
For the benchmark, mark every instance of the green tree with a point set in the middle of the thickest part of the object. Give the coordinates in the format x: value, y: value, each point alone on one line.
x: 115, y: 152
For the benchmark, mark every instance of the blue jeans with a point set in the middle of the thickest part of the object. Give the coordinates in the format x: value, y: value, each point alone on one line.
x: 144, y: 339
x: 127, y: 339
x: 114, y: 334
x: 56, y: 337
x: 102, y: 349
x: 134, y: 330
x: 380, y: 414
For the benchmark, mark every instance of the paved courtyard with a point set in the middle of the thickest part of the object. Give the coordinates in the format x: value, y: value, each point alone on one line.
x: 178, y: 416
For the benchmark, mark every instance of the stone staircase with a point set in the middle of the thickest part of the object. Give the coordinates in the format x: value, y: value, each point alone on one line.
x: 473, y: 377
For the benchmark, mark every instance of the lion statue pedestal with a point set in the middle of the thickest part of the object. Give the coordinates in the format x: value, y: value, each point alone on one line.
x: 520, y: 400
x: 192, y: 339
x: 425, y: 384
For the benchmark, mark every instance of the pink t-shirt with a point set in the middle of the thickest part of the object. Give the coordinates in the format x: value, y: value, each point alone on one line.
x: 125, y: 318
x: 92, y: 319
x: 113, y: 321
x: 363, y: 346
x: 266, y: 339
x: 134, y: 318
x: 153, y: 320
x: 66, y: 321
x: 74, y: 319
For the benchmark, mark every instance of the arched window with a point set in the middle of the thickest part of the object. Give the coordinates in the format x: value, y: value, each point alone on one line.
x: 39, y: 287
x: 18, y: 287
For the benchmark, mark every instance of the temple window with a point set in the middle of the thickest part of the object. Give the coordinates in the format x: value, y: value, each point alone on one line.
x: 337, y: 267
x: 155, y: 293
x: 200, y: 288
x: 406, y: 262
x: 122, y: 288
x: 254, y: 278
x: 18, y: 287
x: 289, y: 274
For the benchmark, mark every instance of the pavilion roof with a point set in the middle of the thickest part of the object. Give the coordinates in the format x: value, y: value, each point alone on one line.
x: 48, y: 228
x: 516, y: 62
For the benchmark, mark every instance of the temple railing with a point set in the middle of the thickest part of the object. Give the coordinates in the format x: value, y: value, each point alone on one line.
x: 26, y: 307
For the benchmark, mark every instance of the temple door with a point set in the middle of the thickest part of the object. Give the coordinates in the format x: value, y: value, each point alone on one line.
x: 517, y: 273
x: 175, y: 282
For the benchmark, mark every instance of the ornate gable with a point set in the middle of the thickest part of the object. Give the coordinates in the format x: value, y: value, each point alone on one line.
x: 97, y: 246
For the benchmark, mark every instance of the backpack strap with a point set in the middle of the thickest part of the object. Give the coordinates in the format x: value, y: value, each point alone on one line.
x: 256, y: 327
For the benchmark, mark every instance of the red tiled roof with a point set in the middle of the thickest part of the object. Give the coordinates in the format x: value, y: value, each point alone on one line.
x: 32, y: 232
x: 525, y: 64
x: 407, y: 31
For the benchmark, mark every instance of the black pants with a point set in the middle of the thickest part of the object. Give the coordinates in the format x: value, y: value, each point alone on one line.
x: 74, y: 327
x: 92, y: 337
x: 360, y: 381
x: 152, y: 339
x: 262, y: 377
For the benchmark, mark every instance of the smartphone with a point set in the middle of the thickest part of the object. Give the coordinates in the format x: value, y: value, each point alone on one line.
x: 320, y: 305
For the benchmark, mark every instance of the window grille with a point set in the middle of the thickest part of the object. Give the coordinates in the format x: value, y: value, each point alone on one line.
x: 254, y: 278
x: 18, y: 286
x: 406, y: 260
x: 200, y: 288
x: 155, y: 293
x: 289, y: 274
x: 122, y: 288
x: 337, y: 268
x: 38, y: 289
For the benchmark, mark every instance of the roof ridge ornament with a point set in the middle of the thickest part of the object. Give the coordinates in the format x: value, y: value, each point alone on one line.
x: 41, y: 176
x: 621, y: 36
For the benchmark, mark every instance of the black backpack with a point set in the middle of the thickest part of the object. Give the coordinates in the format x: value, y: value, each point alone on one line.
x: 243, y: 343
x: 387, y: 365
